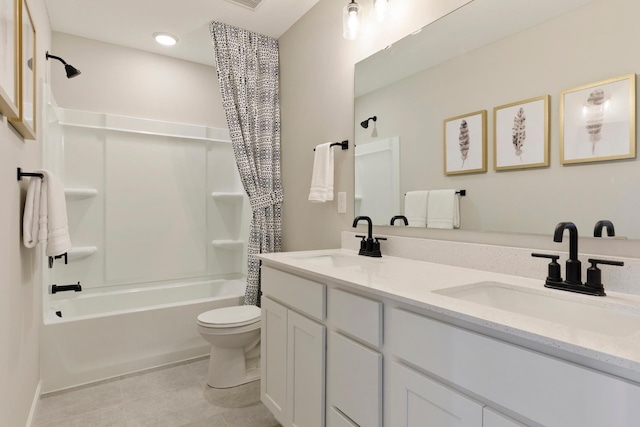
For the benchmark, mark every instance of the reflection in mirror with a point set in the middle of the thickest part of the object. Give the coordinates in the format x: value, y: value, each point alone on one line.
x: 509, y: 51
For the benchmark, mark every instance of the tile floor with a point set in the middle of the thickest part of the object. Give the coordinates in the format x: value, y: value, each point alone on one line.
x: 174, y: 396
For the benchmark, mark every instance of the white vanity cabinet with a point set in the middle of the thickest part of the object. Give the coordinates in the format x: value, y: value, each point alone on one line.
x: 293, y: 349
x: 354, y: 360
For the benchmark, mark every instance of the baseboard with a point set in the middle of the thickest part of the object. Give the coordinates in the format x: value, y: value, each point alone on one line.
x: 34, y: 405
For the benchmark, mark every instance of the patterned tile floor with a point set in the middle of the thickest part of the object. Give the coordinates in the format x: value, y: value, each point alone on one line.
x: 174, y: 396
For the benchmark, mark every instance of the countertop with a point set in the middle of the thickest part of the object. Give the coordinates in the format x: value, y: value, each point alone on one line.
x: 412, y: 283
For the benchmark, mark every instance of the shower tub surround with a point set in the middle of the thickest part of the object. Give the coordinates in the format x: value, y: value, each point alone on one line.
x: 158, y: 221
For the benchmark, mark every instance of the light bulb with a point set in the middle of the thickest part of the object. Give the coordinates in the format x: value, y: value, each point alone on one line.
x: 381, y: 7
x: 351, y: 20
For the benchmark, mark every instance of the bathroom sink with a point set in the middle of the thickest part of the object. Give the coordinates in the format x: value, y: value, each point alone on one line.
x: 333, y: 260
x: 594, y: 315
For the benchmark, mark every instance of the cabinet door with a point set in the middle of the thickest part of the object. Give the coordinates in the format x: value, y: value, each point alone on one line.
x: 273, y: 347
x: 355, y: 380
x: 493, y: 418
x: 418, y: 401
x: 306, y: 341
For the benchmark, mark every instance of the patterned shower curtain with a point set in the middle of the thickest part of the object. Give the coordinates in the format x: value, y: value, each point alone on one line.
x: 247, y: 66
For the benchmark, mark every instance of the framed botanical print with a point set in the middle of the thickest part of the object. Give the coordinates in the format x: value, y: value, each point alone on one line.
x: 597, y: 121
x: 25, y: 123
x: 9, y: 78
x: 521, y: 134
x: 465, y: 143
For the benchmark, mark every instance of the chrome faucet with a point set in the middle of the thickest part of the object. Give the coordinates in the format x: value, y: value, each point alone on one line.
x: 573, y: 266
x: 368, y: 246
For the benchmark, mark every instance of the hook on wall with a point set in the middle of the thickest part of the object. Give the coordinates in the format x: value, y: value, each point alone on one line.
x: 365, y: 123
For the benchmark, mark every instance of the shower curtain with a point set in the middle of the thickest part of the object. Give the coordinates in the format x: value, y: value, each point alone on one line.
x: 247, y: 67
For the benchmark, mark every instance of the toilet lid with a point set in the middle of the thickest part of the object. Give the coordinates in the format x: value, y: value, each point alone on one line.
x: 239, y: 315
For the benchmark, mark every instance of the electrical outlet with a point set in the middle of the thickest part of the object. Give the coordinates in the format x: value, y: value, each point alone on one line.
x: 342, y: 202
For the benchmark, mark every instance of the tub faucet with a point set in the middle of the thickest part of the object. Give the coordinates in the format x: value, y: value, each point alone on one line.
x: 573, y: 266
x: 402, y: 217
x: 597, y: 230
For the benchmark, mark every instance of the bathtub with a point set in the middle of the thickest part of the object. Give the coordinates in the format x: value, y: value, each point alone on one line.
x: 95, y: 336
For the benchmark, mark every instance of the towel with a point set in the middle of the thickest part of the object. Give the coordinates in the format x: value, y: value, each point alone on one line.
x: 45, y: 215
x: 415, y: 208
x: 443, y: 209
x: 322, y: 178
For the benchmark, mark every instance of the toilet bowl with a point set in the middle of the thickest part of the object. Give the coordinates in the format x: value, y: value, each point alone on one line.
x: 234, y: 335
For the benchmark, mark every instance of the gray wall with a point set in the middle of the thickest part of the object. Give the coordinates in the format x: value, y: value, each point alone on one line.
x: 20, y: 268
x: 130, y: 82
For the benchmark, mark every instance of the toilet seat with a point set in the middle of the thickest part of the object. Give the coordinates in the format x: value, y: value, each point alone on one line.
x: 230, y: 317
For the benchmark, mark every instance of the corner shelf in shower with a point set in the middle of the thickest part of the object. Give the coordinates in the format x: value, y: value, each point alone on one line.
x: 81, y: 252
x: 227, y: 197
x: 80, y: 193
x: 228, y: 244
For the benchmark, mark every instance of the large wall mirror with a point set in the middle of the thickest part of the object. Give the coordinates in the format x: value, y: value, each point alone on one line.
x: 486, y: 54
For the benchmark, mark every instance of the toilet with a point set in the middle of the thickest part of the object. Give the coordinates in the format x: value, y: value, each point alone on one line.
x: 234, y: 335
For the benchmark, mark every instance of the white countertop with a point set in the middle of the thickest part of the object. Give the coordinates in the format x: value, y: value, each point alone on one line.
x: 412, y: 282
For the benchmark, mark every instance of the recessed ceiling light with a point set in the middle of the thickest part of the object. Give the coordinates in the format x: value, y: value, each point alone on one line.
x: 165, y: 39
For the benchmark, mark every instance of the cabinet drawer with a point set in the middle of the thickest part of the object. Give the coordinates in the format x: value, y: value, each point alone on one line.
x: 355, y: 380
x: 303, y: 295
x: 542, y: 388
x: 356, y: 315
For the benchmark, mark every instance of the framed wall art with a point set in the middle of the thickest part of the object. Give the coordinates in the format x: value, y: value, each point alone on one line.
x: 9, y: 79
x: 597, y: 121
x: 465, y: 143
x: 25, y: 123
x: 521, y: 134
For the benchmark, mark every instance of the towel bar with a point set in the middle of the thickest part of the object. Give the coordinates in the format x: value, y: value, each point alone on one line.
x: 21, y: 174
x: 460, y: 192
x: 343, y: 144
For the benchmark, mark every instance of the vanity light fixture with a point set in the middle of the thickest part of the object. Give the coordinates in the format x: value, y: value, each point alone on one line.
x: 365, y: 123
x: 351, y: 20
x: 70, y: 69
x: 165, y: 39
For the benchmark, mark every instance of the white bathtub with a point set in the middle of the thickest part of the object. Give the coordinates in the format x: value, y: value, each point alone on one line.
x: 103, y: 335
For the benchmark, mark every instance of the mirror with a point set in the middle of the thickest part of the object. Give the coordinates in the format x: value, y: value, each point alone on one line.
x: 509, y: 51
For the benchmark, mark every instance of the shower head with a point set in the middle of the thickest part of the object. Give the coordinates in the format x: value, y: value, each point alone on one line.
x: 365, y: 123
x: 70, y: 69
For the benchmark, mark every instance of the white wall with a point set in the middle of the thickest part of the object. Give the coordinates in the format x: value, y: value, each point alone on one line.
x: 316, y: 75
x: 20, y: 268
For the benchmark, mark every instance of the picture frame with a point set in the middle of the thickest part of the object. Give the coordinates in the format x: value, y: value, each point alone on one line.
x: 25, y: 123
x: 9, y: 79
x: 521, y: 134
x: 465, y: 143
x: 597, y: 121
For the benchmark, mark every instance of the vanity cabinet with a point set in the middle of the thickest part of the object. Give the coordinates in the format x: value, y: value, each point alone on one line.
x: 293, y: 349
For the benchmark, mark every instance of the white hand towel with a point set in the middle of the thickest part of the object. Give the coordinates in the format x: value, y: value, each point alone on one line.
x: 443, y: 209
x: 415, y: 208
x: 322, y: 177
x: 45, y: 215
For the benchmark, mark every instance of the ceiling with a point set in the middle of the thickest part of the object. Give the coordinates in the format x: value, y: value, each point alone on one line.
x: 131, y: 23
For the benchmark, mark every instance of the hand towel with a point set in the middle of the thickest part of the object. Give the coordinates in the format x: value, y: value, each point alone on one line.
x: 443, y: 209
x: 322, y: 177
x: 45, y: 215
x: 415, y: 208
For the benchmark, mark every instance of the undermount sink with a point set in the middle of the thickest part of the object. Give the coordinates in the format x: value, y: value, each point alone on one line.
x: 333, y: 260
x: 594, y: 316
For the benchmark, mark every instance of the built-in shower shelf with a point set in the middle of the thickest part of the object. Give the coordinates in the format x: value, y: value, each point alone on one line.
x: 81, y: 252
x: 80, y: 193
x: 228, y: 244
x: 227, y: 197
